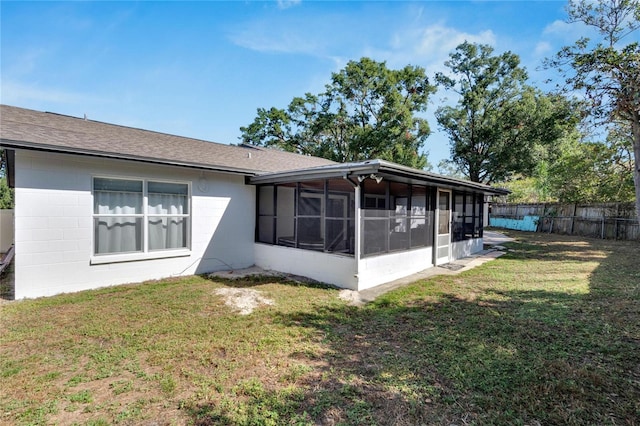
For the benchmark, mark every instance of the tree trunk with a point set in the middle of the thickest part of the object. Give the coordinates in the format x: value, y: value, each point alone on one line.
x: 636, y: 159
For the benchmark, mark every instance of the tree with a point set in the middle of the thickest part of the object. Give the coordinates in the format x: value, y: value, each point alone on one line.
x: 367, y: 111
x: 607, y: 71
x: 524, y: 190
x: 598, y: 172
x: 449, y: 168
x: 500, y: 125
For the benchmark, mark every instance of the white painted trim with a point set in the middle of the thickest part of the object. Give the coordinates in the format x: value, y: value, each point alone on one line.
x: 132, y: 257
x: 440, y: 260
x: 357, y: 230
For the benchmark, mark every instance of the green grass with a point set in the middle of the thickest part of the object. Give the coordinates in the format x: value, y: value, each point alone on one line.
x: 547, y: 334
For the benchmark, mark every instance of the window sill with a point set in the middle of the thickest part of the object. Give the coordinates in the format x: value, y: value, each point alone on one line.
x: 134, y: 257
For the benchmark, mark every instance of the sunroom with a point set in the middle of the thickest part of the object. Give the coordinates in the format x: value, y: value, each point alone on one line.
x: 358, y: 225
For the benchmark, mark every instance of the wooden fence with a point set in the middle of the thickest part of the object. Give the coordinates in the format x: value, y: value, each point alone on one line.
x: 613, y: 220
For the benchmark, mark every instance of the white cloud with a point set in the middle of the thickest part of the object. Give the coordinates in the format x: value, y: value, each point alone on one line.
x: 16, y: 93
x: 568, y: 32
x: 262, y: 40
x: 428, y: 46
x: 542, y: 49
x: 558, y: 27
x: 442, y: 40
x: 285, y: 4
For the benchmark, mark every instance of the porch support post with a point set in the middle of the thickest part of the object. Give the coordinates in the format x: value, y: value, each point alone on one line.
x: 358, y: 233
x: 436, y: 224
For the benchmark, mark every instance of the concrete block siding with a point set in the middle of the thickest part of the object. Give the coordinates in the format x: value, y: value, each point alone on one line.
x: 54, y: 229
x: 324, y: 267
x: 341, y: 270
x: 384, y: 268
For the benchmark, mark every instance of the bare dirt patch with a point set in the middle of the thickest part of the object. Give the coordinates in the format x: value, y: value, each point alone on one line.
x: 243, y: 300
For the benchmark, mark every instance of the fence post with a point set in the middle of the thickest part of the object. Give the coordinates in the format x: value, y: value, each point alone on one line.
x: 602, y: 231
x: 615, y: 229
x: 573, y: 217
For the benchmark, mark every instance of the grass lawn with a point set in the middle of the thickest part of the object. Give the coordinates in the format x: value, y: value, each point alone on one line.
x: 547, y: 334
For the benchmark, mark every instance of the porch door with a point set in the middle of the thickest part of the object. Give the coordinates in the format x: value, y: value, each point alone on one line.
x: 337, y: 228
x: 443, y: 245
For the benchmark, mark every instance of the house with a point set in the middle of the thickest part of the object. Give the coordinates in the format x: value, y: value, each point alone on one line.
x: 98, y: 204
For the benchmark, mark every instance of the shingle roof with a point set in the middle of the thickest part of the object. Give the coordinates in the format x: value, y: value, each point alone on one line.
x: 24, y: 128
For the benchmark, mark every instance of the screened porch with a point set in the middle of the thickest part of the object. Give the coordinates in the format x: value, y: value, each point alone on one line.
x: 358, y: 225
x: 320, y: 215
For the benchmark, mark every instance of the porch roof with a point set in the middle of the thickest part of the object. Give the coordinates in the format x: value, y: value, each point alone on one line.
x: 381, y: 168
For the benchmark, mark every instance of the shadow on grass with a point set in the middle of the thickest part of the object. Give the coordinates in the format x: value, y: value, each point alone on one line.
x: 501, y: 357
x: 258, y: 280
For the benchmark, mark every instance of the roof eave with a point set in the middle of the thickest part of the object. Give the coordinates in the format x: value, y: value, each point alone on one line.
x: 322, y: 172
x: 445, y: 181
x: 352, y: 170
x: 15, y: 144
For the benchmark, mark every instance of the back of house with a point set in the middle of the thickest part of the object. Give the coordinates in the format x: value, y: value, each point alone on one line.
x: 99, y: 204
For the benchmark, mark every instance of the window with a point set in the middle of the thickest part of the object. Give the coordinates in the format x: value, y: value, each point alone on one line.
x: 136, y: 216
x: 168, y: 215
x: 376, y: 202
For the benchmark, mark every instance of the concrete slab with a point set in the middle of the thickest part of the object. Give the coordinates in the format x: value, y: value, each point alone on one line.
x: 492, y: 238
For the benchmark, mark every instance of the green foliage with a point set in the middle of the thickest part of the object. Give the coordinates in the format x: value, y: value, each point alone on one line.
x: 367, y: 111
x: 594, y: 172
x: 6, y: 194
x: 500, y: 126
x: 449, y: 168
x: 524, y: 190
x: 606, y: 70
x: 597, y: 172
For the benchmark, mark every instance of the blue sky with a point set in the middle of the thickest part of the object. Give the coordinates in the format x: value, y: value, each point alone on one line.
x: 201, y: 69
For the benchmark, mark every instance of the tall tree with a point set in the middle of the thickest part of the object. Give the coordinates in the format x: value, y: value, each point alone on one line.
x: 606, y: 70
x: 500, y: 125
x: 367, y: 111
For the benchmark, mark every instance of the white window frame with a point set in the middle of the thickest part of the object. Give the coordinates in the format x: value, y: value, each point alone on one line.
x: 145, y: 254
